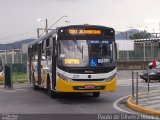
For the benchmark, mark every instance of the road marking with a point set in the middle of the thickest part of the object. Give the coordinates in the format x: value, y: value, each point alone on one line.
x: 155, y: 106
x: 115, y: 105
x: 148, y: 98
x: 124, y: 85
x: 146, y: 103
x: 142, y: 84
x: 20, y: 89
x: 152, y: 85
x: 3, y: 90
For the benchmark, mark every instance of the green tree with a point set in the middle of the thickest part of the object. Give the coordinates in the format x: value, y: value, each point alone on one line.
x: 140, y: 35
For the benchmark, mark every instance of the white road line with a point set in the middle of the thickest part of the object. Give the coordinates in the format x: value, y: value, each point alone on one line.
x: 115, y: 105
x: 20, y: 89
x: 149, y: 103
x: 7, y: 91
x: 155, y: 106
x: 142, y: 84
x: 152, y: 85
x: 124, y: 85
x: 148, y: 98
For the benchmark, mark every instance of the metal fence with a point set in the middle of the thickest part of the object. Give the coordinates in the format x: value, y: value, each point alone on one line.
x: 14, y: 56
x: 144, y: 50
x: 16, y: 59
x: 143, y: 53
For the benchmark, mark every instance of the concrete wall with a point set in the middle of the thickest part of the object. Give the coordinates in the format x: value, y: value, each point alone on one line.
x: 132, y: 65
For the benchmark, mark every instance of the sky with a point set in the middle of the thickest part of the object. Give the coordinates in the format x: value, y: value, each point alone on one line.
x: 18, y: 18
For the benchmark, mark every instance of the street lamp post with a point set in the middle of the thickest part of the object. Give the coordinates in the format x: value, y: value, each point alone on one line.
x: 46, y: 27
x: 67, y: 22
x: 57, y: 21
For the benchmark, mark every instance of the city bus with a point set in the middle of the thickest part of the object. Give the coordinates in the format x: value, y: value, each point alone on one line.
x: 1, y: 70
x: 75, y: 58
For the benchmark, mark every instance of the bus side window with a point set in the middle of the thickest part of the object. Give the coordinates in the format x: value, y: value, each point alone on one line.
x: 43, y: 51
x: 49, y: 48
x: 48, y: 53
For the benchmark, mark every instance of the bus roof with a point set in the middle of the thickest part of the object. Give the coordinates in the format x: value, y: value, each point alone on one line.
x: 87, y: 26
x: 70, y: 26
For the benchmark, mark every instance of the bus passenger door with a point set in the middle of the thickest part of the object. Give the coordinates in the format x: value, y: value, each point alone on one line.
x: 39, y: 63
x: 54, y: 60
x: 29, y: 63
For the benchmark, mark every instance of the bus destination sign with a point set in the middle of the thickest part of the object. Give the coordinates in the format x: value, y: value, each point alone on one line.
x: 84, y: 32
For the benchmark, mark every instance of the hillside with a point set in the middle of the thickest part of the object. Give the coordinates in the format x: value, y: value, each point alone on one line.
x: 18, y: 45
x: 15, y: 45
x: 126, y: 34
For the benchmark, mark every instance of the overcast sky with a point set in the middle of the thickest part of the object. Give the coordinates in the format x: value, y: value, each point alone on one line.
x: 19, y: 17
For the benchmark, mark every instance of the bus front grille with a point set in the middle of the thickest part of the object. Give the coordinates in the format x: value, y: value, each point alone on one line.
x: 88, y: 80
x: 84, y: 88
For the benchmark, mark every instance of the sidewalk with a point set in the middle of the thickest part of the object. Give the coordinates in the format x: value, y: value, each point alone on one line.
x: 148, y: 103
x: 16, y: 87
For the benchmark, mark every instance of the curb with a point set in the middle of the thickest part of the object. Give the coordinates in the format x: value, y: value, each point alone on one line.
x: 141, y: 109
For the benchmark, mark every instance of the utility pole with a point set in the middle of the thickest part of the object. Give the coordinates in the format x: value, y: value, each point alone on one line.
x: 46, y: 26
x: 45, y: 29
x: 38, y: 32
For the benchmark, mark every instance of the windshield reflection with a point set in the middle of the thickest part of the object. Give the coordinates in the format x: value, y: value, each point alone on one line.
x: 84, y: 53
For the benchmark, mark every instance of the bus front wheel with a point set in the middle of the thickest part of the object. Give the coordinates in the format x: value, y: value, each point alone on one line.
x: 52, y: 93
x: 96, y: 94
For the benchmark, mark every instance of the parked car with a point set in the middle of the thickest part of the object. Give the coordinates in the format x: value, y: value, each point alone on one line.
x: 153, y: 74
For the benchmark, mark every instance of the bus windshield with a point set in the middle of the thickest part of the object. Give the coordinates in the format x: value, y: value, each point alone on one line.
x: 85, y: 53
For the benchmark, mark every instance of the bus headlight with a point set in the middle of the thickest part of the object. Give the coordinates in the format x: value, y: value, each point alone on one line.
x: 64, y: 77
x: 110, y: 78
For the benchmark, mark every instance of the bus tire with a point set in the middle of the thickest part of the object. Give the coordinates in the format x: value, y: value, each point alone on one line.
x: 96, y: 94
x: 52, y: 93
x: 35, y: 87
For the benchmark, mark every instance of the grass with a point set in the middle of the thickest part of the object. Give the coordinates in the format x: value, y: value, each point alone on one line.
x: 18, y: 78
x: 1, y: 82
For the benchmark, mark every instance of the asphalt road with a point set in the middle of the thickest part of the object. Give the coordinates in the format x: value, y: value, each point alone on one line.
x: 24, y: 100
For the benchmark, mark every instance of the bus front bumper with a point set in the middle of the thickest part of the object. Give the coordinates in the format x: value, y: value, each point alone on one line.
x: 64, y: 86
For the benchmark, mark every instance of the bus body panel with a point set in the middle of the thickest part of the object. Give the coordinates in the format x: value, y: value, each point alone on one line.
x: 86, y: 76
x: 1, y: 77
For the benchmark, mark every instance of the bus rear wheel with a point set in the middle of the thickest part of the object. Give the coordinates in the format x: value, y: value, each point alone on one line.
x: 96, y: 94
x: 35, y: 87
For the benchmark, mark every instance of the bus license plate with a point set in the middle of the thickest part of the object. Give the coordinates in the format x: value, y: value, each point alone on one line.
x: 89, y: 86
